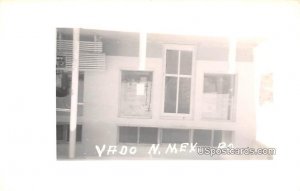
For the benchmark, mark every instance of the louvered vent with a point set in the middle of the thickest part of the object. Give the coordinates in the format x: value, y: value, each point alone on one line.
x: 91, y: 56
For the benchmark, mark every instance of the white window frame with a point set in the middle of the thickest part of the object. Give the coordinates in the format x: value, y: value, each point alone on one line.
x: 192, y: 76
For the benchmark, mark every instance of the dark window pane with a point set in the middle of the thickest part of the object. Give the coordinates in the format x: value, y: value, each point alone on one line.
x: 172, y: 62
x: 128, y: 134
x: 80, y: 88
x: 80, y: 110
x: 63, y: 132
x: 186, y: 58
x: 217, y: 138
x: 148, y: 135
x: 63, y: 84
x: 175, y: 136
x: 227, y: 137
x: 170, y: 94
x: 63, y: 89
x: 59, y: 132
x: 78, y: 133
x: 184, y: 95
x: 202, y: 137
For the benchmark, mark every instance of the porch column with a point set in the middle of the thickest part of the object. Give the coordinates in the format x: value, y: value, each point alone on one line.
x: 232, y: 55
x: 142, y: 50
x: 74, y: 93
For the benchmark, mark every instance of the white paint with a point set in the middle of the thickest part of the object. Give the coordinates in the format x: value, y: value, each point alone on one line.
x: 232, y: 55
x: 101, y: 112
x: 74, y: 96
x: 140, y: 89
x: 142, y: 50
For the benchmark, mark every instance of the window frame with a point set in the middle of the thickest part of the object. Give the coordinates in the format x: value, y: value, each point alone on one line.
x: 192, y: 48
x: 234, y: 99
x: 191, y: 135
x: 119, y: 114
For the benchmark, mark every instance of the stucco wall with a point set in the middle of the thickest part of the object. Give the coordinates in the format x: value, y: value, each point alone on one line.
x: 101, y: 98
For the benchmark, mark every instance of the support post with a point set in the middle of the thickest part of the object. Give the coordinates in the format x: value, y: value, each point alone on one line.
x: 74, y: 93
x: 232, y: 55
x: 142, y: 50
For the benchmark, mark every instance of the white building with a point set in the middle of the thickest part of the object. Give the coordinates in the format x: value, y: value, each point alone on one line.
x: 188, y: 89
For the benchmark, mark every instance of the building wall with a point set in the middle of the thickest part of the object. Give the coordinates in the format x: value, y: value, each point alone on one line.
x: 101, y: 98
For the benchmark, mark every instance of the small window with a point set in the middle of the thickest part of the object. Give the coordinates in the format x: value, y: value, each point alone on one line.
x: 63, y: 133
x: 218, y: 96
x: 128, y: 134
x: 178, y: 80
x: 205, y: 137
x: 175, y: 136
x: 135, y: 94
x: 142, y: 135
x: 202, y: 137
x: 222, y: 136
x: 217, y: 138
x: 148, y: 135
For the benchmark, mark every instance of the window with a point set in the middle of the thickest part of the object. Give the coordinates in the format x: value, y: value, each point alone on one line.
x: 148, y: 135
x: 142, y: 135
x: 128, y: 135
x: 151, y: 135
x: 222, y: 136
x: 218, y: 96
x: 63, y: 133
x: 202, y: 137
x: 63, y: 93
x: 211, y: 137
x: 178, y: 81
x: 135, y: 94
x: 175, y: 136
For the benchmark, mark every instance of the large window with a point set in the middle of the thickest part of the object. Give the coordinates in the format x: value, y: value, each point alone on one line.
x: 218, y: 96
x: 135, y: 94
x: 178, y: 80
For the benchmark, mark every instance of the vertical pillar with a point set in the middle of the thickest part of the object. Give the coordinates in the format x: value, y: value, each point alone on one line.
x: 232, y: 55
x: 142, y: 50
x: 74, y: 93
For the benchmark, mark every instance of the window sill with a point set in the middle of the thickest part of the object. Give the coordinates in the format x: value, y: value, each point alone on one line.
x: 176, y: 117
